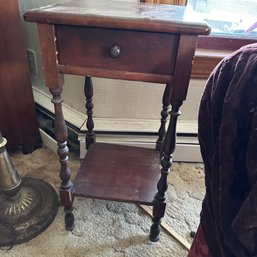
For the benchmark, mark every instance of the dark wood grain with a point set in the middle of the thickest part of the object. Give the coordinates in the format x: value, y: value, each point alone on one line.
x: 88, y: 91
x: 49, y: 55
x: 54, y: 81
x: 186, y: 50
x: 18, y: 121
x: 90, y: 48
x: 119, y: 173
x: 61, y: 135
x: 166, y: 162
x: 203, y: 65
x: 113, y: 74
x: 164, y: 116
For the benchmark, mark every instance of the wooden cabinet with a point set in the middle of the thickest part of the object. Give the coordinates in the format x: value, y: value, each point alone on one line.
x: 17, y: 111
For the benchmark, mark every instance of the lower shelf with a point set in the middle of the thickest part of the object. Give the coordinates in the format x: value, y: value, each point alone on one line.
x: 119, y: 173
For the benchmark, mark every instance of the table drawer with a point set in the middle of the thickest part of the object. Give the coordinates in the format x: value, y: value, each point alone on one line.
x: 117, y: 50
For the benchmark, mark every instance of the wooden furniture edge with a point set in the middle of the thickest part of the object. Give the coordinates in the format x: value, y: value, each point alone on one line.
x: 205, y: 61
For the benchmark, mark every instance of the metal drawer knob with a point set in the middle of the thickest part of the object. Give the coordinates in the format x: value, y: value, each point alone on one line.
x: 114, y: 51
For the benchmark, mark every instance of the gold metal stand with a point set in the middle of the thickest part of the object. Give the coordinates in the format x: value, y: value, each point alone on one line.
x: 28, y: 205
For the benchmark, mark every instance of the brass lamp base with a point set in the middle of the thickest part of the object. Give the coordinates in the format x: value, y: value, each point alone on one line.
x: 27, y: 214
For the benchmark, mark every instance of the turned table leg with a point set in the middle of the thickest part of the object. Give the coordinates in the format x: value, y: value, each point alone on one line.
x: 66, y: 190
x: 88, y: 91
x: 164, y: 115
x: 166, y: 162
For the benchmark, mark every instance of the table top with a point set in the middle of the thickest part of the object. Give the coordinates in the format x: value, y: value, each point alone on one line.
x: 121, y: 14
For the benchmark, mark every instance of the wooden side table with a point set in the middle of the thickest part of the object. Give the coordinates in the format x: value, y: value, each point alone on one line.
x: 131, y: 41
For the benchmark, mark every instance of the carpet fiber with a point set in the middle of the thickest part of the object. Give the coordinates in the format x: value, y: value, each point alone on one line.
x: 111, y: 229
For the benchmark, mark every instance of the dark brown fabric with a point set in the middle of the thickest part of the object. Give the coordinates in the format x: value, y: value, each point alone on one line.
x: 199, y: 246
x: 228, y: 140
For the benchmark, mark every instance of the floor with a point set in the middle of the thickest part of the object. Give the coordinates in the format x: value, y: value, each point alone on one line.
x: 105, y: 228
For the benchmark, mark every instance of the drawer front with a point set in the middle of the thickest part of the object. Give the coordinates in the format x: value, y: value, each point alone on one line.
x: 117, y: 50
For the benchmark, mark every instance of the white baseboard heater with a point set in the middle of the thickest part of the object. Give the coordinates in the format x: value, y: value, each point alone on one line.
x: 140, y: 133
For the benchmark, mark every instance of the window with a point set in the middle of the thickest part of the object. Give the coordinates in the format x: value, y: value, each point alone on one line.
x: 233, y: 22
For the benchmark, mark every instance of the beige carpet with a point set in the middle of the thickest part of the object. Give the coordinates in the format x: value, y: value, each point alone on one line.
x: 112, y: 229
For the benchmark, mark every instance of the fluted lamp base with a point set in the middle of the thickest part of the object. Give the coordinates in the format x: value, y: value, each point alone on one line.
x: 27, y: 214
x: 27, y: 206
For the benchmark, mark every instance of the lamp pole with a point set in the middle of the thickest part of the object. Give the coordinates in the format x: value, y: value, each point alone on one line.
x: 10, y: 180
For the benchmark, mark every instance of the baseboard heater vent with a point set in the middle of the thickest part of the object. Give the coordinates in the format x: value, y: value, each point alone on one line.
x: 187, y: 149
